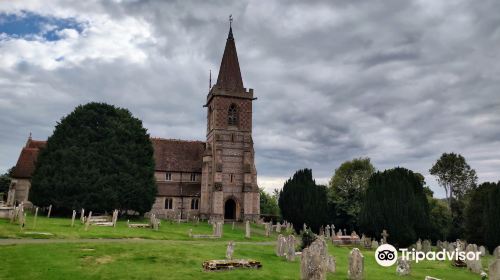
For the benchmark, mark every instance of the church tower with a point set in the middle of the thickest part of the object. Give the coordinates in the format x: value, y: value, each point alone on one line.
x: 229, y: 179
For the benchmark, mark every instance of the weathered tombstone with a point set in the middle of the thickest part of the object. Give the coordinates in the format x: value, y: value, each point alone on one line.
x: 494, y: 268
x: 315, y: 261
x: 278, y: 227
x: 190, y: 233
x: 87, y: 223
x: 290, y: 254
x: 82, y: 216
x: 115, y: 217
x: 445, y: 245
x: 247, y: 229
x: 50, y: 210
x: 426, y: 246
x: 267, y: 227
x: 345, y: 232
x: 327, y: 232
x: 220, y: 230
x: 73, y: 218
x: 473, y: 265
x: 339, y: 233
x: 278, y: 245
x: 304, y: 227
x: 232, y: 227
x: 482, y: 249
x: 451, y: 247
x: 496, y: 252
x: 374, y: 244
x: 460, y: 245
x: 367, y: 243
x: 419, y: 245
x: 356, y: 265
x: 230, y: 250
x: 35, y: 218
x: 403, y: 267
x: 384, y: 235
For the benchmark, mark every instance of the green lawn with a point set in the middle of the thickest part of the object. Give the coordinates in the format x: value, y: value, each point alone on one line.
x: 170, y: 254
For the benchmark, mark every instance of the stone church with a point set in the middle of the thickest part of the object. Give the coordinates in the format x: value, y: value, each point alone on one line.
x: 215, y: 179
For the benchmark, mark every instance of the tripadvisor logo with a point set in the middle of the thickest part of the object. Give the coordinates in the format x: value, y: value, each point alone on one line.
x: 387, y: 255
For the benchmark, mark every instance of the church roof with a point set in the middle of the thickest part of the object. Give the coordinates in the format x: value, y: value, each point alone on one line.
x: 229, y: 72
x: 178, y: 155
x: 26, y: 162
x: 169, y: 154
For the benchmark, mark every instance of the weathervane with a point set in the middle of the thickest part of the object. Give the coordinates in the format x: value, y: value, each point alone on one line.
x: 230, y: 20
x: 210, y: 80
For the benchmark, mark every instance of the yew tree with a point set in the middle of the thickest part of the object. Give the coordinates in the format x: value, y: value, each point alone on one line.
x: 99, y: 158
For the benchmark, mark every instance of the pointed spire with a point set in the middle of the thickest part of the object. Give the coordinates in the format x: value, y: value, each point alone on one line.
x: 229, y: 72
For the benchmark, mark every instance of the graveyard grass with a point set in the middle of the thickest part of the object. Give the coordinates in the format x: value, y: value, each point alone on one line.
x: 170, y: 254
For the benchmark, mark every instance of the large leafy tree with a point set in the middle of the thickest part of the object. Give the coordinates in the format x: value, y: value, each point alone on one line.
x: 302, y: 201
x: 395, y: 201
x: 99, y: 158
x: 269, y: 204
x: 482, y: 215
x: 454, y: 175
x: 346, y: 190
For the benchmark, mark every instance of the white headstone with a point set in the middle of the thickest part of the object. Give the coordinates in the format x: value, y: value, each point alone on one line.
x: 50, y: 210
x: 247, y: 229
x: 73, y: 218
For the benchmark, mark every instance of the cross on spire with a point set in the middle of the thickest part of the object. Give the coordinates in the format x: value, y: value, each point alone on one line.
x: 230, y: 20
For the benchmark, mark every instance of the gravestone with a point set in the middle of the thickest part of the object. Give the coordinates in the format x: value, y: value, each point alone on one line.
x: 230, y: 250
x: 281, y: 246
x: 290, y: 254
x: 339, y: 233
x: 73, y: 218
x: 82, y: 216
x: 232, y: 227
x: 87, y: 223
x: 267, y: 227
x: 50, y: 210
x: 304, y: 227
x: 403, y: 267
x: 445, y: 245
x: 482, y: 249
x: 496, y: 252
x: 384, y: 235
x: 278, y: 227
x: 356, y: 265
x: 315, y: 261
x: 451, y: 247
x: 374, y: 244
x: 473, y: 265
x: 426, y: 246
x: 247, y: 229
x: 367, y: 242
x: 494, y: 268
x: 419, y: 245
x: 327, y: 232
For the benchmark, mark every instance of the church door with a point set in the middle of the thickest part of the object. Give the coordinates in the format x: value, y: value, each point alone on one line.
x: 230, y: 210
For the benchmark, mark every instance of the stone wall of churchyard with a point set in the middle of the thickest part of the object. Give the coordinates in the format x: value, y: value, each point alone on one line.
x: 179, y: 205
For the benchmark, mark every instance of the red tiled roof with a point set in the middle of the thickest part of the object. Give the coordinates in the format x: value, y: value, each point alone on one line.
x: 169, y: 155
x: 26, y: 163
x: 229, y: 72
x: 178, y: 155
x: 179, y: 189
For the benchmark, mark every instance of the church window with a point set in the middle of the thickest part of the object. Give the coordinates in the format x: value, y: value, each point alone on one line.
x: 169, y: 203
x: 168, y: 176
x: 193, y: 177
x: 232, y: 115
x: 195, y: 203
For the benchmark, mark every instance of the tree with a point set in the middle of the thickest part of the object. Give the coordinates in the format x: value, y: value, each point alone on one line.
x: 440, y: 219
x: 395, y: 201
x: 454, y: 175
x: 99, y: 158
x: 481, y: 215
x: 5, y: 182
x: 269, y: 204
x: 346, y: 190
x: 302, y: 201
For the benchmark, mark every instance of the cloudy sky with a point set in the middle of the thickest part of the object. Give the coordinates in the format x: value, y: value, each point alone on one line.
x: 397, y: 81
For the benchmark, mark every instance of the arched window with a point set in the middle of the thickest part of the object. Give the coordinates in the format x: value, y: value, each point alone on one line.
x: 194, y: 203
x: 232, y: 115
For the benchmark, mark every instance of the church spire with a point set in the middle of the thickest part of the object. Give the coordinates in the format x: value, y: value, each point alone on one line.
x: 229, y: 72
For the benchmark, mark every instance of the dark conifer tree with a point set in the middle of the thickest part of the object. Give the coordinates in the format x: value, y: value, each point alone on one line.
x: 99, y: 158
x: 395, y: 201
x: 302, y: 201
